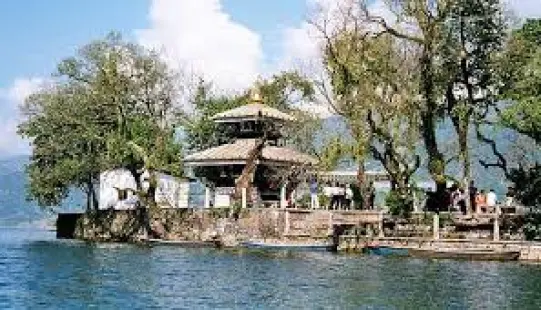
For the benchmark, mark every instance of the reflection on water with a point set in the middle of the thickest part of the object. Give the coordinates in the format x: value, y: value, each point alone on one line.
x: 37, y: 271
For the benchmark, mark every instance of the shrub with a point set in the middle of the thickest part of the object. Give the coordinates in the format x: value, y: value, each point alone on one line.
x: 532, y: 225
x: 399, y: 204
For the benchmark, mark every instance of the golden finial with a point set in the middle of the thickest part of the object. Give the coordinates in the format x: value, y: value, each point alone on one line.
x: 256, y: 92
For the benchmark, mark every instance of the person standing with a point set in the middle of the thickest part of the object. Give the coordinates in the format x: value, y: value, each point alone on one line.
x: 481, y: 201
x: 341, y: 192
x: 348, y: 197
x: 327, y: 191
x: 472, y: 191
x: 491, y: 199
x: 372, y: 196
x: 510, y: 197
x: 334, y: 197
x: 314, y: 199
x: 461, y: 201
x: 455, y: 197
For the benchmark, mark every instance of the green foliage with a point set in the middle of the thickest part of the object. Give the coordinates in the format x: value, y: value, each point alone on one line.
x: 324, y: 200
x: 332, y: 152
x: 399, y: 204
x: 530, y: 32
x: 201, y: 132
x: 532, y: 226
x: 109, y: 106
x: 521, y: 68
x: 527, y: 183
x: 525, y: 114
x: 375, y: 86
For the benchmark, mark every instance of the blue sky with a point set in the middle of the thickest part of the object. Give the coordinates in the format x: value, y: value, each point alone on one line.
x: 228, y: 41
x: 35, y: 35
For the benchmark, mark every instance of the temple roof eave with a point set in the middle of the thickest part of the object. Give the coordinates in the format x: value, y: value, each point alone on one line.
x: 218, y: 163
x: 254, y: 111
x: 238, y: 153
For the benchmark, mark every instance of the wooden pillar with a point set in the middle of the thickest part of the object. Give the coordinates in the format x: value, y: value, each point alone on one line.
x: 381, y: 234
x: 331, y: 228
x: 283, y: 198
x: 436, y: 226
x: 286, y: 225
x: 207, y: 197
x: 497, y: 223
x: 244, y: 198
x: 415, y: 203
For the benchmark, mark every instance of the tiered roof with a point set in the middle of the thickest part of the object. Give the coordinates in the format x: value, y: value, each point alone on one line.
x: 237, y: 153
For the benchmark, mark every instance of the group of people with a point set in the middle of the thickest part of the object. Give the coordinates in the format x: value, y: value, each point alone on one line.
x: 480, y: 201
x: 340, y: 196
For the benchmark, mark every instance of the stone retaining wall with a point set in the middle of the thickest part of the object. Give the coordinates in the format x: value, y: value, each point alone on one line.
x: 210, y: 224
x: 529, y: 251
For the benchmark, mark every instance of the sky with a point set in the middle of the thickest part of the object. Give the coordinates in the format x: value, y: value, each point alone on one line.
x: 230, y: 42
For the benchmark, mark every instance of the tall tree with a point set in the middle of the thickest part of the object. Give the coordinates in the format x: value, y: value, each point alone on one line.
x: 110, y: 106
x: 414, y: 23
x: 375, y: 84
x: 520, y: 67
x: 474, y: 32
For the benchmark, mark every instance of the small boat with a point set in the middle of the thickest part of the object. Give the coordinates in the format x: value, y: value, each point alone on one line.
x: 288, y: 246
x: 467, y: 254
x: 183, y: 243
x: 385, y: 250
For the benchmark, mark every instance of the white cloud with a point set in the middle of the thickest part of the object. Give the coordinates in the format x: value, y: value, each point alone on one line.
x: 201, y: 36
x: 10, y: 100
x: 22, y: 88
x: 526, y: 8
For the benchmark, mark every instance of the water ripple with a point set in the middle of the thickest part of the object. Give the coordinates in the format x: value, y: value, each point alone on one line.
x: 37, y: 271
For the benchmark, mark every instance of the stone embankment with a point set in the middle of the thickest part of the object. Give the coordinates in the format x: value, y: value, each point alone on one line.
x: 348, y: 230
x: 529, y: 251
x: 212, y: 225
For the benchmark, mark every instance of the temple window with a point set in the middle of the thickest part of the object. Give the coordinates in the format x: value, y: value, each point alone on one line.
x: 247, y: 126
x: 122, y: 194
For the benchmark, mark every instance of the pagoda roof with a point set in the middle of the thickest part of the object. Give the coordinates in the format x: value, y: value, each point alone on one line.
x: 237, y: 153
x: 253, y: 111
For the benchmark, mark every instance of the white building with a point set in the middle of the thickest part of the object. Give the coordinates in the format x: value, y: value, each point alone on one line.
x: 117, y: 190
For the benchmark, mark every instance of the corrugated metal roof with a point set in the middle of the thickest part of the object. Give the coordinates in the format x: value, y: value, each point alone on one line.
x: 252, y: 111
x: 240, y: 149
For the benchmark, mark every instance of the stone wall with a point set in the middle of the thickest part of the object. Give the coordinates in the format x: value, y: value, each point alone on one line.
x: 529, y: 251
x: 205, y: 225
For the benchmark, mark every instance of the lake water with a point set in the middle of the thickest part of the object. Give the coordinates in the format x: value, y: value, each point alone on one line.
x: 39, y: 272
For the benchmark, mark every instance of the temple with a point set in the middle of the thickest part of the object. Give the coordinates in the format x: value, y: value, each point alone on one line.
x: 255, y: 139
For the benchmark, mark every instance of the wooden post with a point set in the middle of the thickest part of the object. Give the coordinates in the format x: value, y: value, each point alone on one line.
x: 286, y: 228
x: 331, y: 231
x: 283, y: 199
x: 415, y: 204
x: 436, y: 226
x: 207, y: 197
x: 497, y: 223
x: 381, y: 234
x: 244, y: 198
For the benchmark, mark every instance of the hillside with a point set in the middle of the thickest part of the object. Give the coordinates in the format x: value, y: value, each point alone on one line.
x: 15, y: 210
